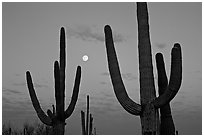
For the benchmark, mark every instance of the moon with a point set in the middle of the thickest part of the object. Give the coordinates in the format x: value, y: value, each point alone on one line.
x: 85, y: 58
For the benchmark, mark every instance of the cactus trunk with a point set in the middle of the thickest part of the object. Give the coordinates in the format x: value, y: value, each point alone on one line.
x: 59, y: 128
x: 149, y: 116
x: 148, y: 109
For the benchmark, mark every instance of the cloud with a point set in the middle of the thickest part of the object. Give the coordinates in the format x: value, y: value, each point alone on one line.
x: 160, y: 45
x: 105, y: 74
x: 129, y: 76
x: 198, y: 71
x: 177, y: 104
x: 103, y: 83
x: 19, y: 84
x: 17, y: 75
x: 40, y: 85
x: 5, y: 100
x: 108, y: 102
x: 26, y: 104
x: 36, y: 85
x: 88, y: 33
x: 101, y: 103
x: 126, y: 76
x: 6, y: 90
x: 13, y: 104
x: 10, y: 103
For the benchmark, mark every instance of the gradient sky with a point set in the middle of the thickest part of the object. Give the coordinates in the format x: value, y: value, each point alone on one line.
x: 30, y: 41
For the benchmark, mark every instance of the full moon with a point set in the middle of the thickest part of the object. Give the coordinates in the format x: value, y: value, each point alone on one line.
x: 85, y: 58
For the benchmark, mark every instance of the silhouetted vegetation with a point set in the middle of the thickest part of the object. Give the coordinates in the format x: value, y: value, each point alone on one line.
x: 57, y: 118
x: 28, y: 129
x: 148, y: 108
x: 87, y: 126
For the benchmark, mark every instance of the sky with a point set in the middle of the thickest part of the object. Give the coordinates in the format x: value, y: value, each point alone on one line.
x: 30, y: 41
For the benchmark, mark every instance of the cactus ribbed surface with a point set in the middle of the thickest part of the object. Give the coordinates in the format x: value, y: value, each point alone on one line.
x: 149, y: 103
x: 57, y: 118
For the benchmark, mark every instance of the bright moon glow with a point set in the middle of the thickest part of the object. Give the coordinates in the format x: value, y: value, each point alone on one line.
x: 85, y: 58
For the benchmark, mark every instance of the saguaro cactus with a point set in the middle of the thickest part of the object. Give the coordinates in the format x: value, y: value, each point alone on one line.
x: 57, y: 118
x: 149, y: 103
x: 87, y: 126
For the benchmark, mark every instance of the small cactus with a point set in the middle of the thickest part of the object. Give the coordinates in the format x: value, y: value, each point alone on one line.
x: 57, y: 118
x: 148, y: 108
x: 87, y: 126
x: 83, y: 123
x: 94, y: 131
x: 9, y: 131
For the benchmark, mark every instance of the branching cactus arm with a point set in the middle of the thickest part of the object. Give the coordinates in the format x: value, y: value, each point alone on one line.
x: 75, y: 93
x: 57, y: 86
x: 166, y: 121
x: 42, y: 116
x: 119, y: 88
x: 162, y: 78
x: 175, y: 78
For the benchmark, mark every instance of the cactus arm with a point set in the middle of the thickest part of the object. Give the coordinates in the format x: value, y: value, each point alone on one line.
x: 175, y: 78
x: 62, y: 71
x: 75, y: 93
x: 51, y: 115
x: 43, y: 117
x: 162, y: 78
x: 57, y: 86
x: 53, y: 109
x: 162, y: 82
x: 166, y: 125
x: 83, y: 123
x: 91, y: 125
x: 119, y: 88
x: 87, y: 115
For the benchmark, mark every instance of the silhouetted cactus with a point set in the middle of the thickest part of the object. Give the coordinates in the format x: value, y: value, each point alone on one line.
x: 148, y: 110
x: 28, y: 129
x: 94, y: 131
x: 87, y: 126
x: 10, y: 131
x: 83, y: 123
x: 57, y: 118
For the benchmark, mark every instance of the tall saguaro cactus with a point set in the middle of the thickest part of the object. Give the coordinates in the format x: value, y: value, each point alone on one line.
x: 149, y: 103
x: 57, y: 118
